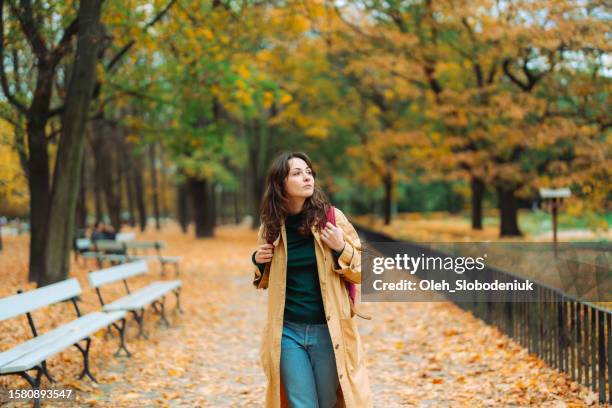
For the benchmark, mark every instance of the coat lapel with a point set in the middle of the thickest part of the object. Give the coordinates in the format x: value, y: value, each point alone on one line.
x: 317, y: 238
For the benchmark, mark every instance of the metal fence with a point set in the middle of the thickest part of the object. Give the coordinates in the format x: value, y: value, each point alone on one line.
x: 572, y: 336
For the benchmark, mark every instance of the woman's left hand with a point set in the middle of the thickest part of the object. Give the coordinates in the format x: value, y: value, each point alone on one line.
x: 332, y: 237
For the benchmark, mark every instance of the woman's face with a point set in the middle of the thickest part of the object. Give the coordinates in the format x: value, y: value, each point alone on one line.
x: 299, y: 182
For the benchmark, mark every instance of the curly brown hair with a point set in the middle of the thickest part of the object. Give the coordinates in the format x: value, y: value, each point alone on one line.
x: 274, y: 205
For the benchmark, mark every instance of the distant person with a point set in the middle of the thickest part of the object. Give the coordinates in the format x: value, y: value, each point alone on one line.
x: 96, y: 231
x: 109, y: 232
x: 311, y: 352
x: 102, y: 230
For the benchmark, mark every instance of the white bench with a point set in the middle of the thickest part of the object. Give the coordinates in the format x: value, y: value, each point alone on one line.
x: 157, y: 246
x: 125, y: 236
x: 102, y: 250
x: 135, y: 302
x: 32, y: 354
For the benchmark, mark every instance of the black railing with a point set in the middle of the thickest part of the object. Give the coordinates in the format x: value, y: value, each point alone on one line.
x: 572, y: 336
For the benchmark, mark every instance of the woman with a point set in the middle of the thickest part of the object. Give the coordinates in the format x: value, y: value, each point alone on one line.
x: 311, y: 350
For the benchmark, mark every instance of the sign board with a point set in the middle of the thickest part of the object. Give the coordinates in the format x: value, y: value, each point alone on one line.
x: 555, y: 192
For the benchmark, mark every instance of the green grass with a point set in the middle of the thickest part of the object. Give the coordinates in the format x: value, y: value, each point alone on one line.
x: 539, y: 222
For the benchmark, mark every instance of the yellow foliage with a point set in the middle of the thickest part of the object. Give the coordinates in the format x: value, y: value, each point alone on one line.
x: 14, y: 196
x: 243, y: 71
x: 268, y: 99
x: 286, y: 98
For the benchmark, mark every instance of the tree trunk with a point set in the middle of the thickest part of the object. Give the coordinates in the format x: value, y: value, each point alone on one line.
x: 153, y: 171
x: 211, y: 213
x: 39, y: 186
x: 105, y: 170
x: 183, y: 206
x: 388, y: 183
x: 139, y: 193
x: 478, y: 188
x: 235, y: 195
x: 112, y: 189
x: 119, y: 176
x: 258, y: 154
x: 163, y: 187
x: 202, y: 203
x: 98, y: 198
x: 129, y: 185
x: 72, y: 144
x: 508, y: 212
x: 81, y: 212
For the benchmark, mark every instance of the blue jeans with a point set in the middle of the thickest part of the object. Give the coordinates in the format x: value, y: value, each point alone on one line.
x: 308, y: 365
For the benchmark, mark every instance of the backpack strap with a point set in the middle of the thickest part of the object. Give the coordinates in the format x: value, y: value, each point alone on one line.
x: 351, y: 288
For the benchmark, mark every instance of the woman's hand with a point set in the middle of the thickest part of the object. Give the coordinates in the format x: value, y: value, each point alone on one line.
x: 332, y: 237
x: 264, y: 253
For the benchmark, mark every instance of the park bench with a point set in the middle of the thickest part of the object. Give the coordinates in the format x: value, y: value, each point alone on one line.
x: 113, y: 252
x: 125, y: 236
x: 32, y: 354
x: 135, y: 302
x: 144, y: 246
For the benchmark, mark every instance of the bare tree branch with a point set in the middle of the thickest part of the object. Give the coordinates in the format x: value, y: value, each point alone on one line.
x: 63, y: 46
x: 123, y: 51
x: 25, y: 15
x: 3, y: 80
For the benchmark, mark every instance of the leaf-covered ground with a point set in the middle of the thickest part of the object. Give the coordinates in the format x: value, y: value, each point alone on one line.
x: 418, y: 354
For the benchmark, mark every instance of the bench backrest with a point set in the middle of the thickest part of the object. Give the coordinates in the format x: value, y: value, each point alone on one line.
x: 21, y: 303
x: 108, y: 245
x: 125, y: 236
x: 116, y: 273
x: 83, y: 243
x: 145, y: 244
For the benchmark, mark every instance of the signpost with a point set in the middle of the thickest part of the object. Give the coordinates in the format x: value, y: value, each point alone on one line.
x: 554, y: 200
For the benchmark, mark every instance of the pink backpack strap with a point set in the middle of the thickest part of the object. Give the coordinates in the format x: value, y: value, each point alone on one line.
x: 330, y: 215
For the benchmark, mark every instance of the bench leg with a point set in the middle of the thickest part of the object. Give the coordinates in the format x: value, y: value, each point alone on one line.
x: 139, y: 317
x: 177, y: 293
x: 33, y: 381
x: 46, y: 372
x: 159, y: 308
x: 121, y: 330
x: 109, y: 332
x: 85, y: 352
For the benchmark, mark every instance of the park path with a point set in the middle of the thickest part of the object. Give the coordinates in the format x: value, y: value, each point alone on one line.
x: 418, y: 354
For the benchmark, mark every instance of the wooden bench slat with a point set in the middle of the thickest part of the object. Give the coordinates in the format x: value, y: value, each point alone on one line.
x: 116, y: 273
x: 170, y: 259
x: 143, y: 297
x: 108, y: 245
x: 36, y: 342
x: 16, y: 305
x: 81, y: 329
x: 145, y: 244
x: 38, y: 349
x: 125, y: 237
x: 83, y: 243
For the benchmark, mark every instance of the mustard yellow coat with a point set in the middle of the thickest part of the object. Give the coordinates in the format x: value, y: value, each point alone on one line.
x: 354, y: 390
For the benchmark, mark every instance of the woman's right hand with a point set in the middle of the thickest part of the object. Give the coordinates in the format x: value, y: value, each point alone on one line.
x: 264, y: 253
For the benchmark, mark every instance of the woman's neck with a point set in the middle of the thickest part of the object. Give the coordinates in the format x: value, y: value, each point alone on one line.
x: 296, y: 205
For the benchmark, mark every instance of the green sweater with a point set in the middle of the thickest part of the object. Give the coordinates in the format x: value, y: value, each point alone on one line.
x: 303, y: 302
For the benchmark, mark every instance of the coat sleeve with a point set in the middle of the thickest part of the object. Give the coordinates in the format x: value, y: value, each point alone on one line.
x: 258, y: 268
x: 350, y: 258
